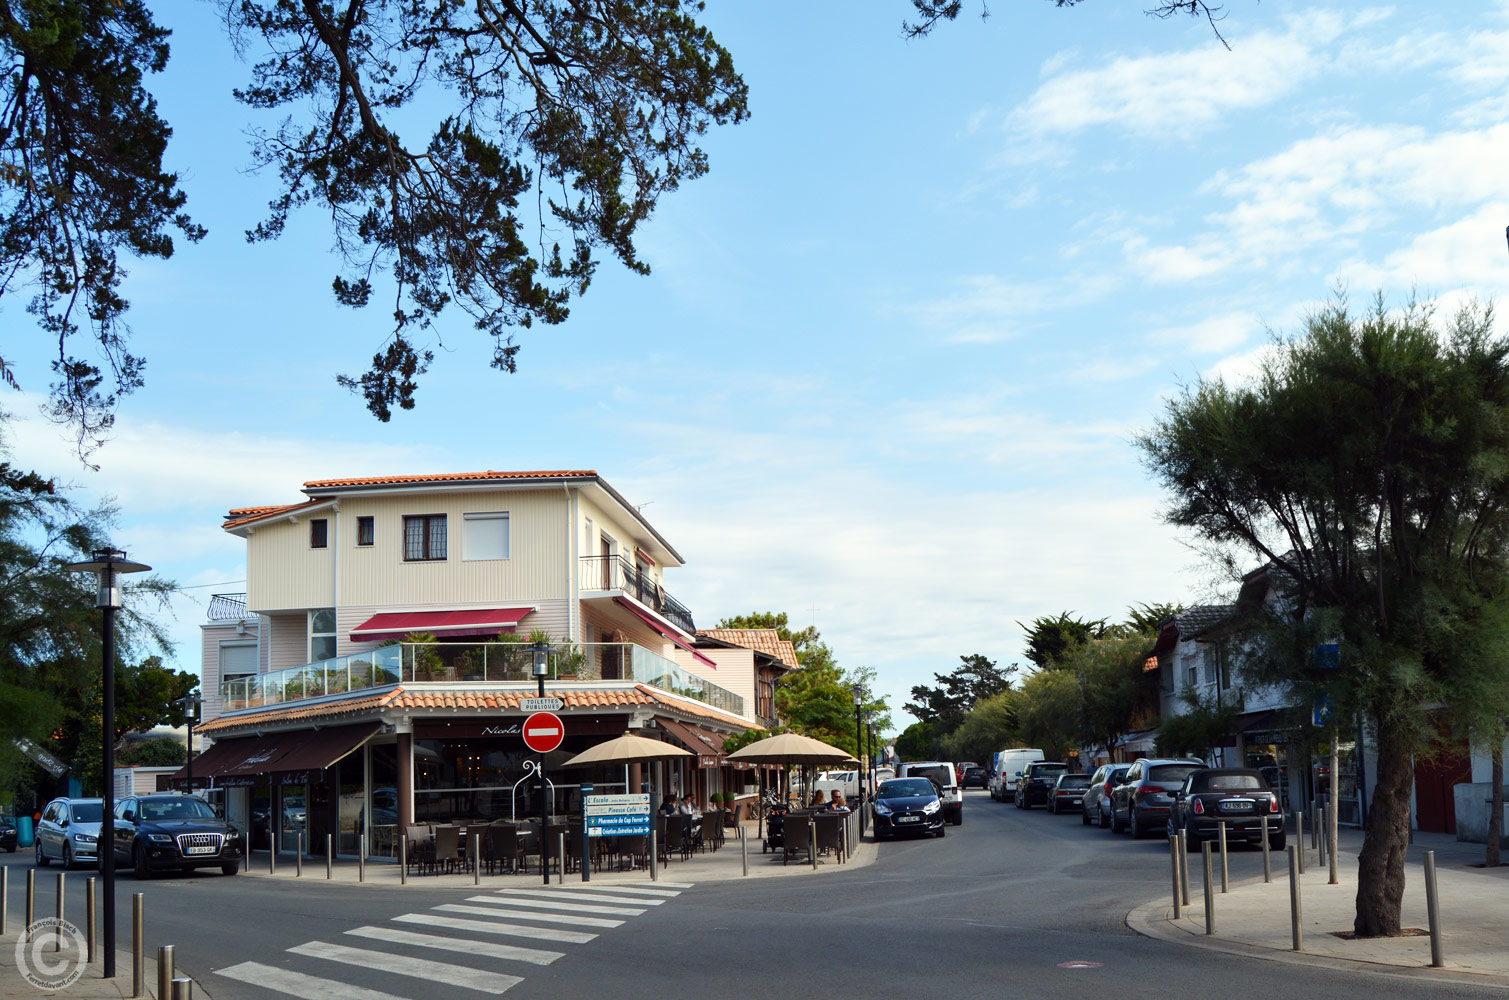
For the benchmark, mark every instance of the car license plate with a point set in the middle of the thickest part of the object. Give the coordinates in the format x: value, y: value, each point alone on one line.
x: 908, y: 819
x: 208, y: 849
x: 1239, y: 805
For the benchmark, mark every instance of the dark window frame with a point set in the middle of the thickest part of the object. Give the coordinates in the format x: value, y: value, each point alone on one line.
x: 319, y: 533
x: 366, y: 531
x: 426, y: 538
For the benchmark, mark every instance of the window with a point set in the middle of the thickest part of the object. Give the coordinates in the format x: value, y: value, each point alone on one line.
x: 319, y: 533
x: 424, y: 537
x: 484, y: 536
x: 237, y: 660
x: 321, y: 634
x: 366, y: 531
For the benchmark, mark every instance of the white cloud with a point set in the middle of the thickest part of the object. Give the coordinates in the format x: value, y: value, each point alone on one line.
x: 1214, y: 335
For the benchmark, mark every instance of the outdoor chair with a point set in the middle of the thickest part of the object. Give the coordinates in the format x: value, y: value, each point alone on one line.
x: 712, y: 828
x: 420, y: 849
x: 447, y: 848
x: 796, y: 836
x: 673, y: 837
x: 503, y: 848
x: 830, y: 833
x: 635, y: 849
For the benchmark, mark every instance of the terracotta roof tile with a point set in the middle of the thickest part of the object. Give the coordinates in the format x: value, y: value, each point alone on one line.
x: 242, y: 515
x: 303, y: 713
x: 509, y: 700
x: 761, y: 640
x: 446, y: 477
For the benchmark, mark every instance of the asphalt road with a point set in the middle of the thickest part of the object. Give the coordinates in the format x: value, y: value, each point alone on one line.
x: 991, y: 910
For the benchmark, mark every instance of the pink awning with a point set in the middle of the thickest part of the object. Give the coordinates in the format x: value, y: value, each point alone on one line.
x: 477, y: 621
x: 666, y: 631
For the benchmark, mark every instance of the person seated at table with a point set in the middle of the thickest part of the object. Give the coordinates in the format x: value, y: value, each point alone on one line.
x: 689, y: 806
x: 693, y: 814
x: 836, y: 804
x: 668, y: 807
x: 819, y: 801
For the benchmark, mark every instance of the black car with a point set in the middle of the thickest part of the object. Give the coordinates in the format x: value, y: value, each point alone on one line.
x: 1066, y: 793
x: 1238, y: 796
x: 173, y: 832
x: 973, y: 775
x: 907, y: 805
x: 7, y: 835
x: 1032, y: 787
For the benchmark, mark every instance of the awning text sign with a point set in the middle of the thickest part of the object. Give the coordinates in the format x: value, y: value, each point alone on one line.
x: 617, y: 815
x: 541, y: 704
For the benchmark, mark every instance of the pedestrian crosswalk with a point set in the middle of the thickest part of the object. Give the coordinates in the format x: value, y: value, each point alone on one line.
x: 487, y: 948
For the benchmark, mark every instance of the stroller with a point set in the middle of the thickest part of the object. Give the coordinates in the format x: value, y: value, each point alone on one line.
x: 775, y: 825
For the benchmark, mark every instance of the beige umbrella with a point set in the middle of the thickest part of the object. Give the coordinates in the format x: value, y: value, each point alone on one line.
x: 792, y: 748
x: 626, y: 749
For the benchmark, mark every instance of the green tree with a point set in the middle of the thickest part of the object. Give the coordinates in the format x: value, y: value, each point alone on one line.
x: 480, y: 156
x: 1048, y: 712
x: 916, y: 742
x: 946, y: 703
x: 1201, y: 728
x: 160, y: 751
x: 1117, y: 693
x: 990, y: 725
x: 1367, y: 466
x: 1048, y: 638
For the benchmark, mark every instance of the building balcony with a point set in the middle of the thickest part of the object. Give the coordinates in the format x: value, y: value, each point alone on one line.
x: 615, y: 573
x: 492, y: 663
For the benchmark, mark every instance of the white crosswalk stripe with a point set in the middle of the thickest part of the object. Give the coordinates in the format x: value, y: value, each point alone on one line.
x: 590, y: 897
x: 496, y: 927
x: 561, y: 904
x: 535, y: 956
x: 403, y: 965
x: 300, y: 985
x: 630, y: 889
x: 571, y: 919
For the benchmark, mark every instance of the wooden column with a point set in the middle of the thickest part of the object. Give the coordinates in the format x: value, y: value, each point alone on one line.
x: 405, y: 783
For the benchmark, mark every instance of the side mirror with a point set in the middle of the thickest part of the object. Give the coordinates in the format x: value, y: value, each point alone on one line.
x: 1019, y: 774
x: 63, y: 823
x: 129, y: 816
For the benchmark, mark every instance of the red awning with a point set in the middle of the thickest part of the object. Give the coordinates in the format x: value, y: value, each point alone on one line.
x: 666, y: 631
x: 478, y: 621
x: 707, y: 745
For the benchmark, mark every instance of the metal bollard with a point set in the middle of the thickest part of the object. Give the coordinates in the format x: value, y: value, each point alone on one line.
x: 1295, y: 914
x: 560, y: 852
x: 812, y: 844
x: 1433, y: 911
x: 361, y: 859
x: 654, y: 854
x: 57, y: 937
x: 164, y: 971
x: 1225, y: 871
x: 1331, y: 840
x: 1299, y: 838
x: 1322, y: 841
x: 89, y: 918
x: 272, y: 851
x: 4, y: 901
x: 1267, y: 863
x: 31, y: 901
x: 1184, y: 866
x: 403, y: 860
x: 477, y: 858
x: 138, y: 944
x: 743, y: 850
x: 298, y: 857
x: 329, y: 860
x: 183, y: 989
x: 1314, y: 843
x: 1173, y: 863
x: 1210, y: 894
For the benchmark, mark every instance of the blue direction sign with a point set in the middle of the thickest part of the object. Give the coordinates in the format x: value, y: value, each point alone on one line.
x: 617, y: 815
x: 1321, y: 713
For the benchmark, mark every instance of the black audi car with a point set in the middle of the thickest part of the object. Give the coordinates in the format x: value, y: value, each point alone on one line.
x: 907, y: 805
x: 7, y: 834
x: 172, y: 832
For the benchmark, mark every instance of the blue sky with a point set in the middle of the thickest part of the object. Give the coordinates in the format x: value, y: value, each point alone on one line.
x: 888, y: 365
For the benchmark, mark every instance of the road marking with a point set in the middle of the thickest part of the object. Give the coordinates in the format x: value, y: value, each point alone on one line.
x: 634, y: 889
x: 544, y: 918
x: 419, y: 968
x: 299, y: 985
x: 1079, y: 964
x: 513, y: 953
x: 590, y: 897
x: 545, y: 904
x: 494, y: 927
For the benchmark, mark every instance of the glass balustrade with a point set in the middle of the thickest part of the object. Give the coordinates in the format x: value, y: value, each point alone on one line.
x: 488, y: 662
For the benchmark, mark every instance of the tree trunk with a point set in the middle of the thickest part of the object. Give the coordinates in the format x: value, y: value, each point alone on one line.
x: 1380, y: 865
x: 1496, y: 804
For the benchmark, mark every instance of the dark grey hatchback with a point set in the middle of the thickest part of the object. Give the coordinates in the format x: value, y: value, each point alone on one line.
x: 907, y: 805
x: 171, y: 832
x: 1237, y: 796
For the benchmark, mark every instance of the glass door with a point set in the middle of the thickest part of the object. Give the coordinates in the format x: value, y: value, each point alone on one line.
x: 295, y: 818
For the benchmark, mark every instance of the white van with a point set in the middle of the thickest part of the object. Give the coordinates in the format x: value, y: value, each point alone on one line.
x: 940, y: 773
x: 1005, y: 767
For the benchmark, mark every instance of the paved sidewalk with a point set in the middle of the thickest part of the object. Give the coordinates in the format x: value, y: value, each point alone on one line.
x: 1253, y: 919
x: 710, y: 866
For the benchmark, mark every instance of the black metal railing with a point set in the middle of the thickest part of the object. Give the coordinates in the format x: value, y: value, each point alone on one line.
x: 618, y: 573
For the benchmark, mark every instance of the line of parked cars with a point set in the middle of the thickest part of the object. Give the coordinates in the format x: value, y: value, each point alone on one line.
x: 1157, y: 795
x: 160, y: 832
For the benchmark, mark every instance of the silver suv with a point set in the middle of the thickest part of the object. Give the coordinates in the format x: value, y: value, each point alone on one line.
x: 70, y: 831
x: 1146, y: 793
x: 1097, y: 797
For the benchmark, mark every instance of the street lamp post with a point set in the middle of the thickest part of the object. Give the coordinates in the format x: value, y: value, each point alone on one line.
x: 859, y: 703
x: 108, y: 565
x: 190, y: 703
x: 541, y: 654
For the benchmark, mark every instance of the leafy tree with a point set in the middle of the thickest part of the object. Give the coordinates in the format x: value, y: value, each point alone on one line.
x: 1367, y: 466
x: 989, y: 726
x: 931, y: 12
x: 810, y: 649
x: 562, y: 123
x: 1048, y: 712
x: 1048, y: 638
x: 1147, y: 619
x: 916, y: 742
x: 1117, y: 693
x: 160, y: 751
x: 1201, y: 728
x: 975, y: 679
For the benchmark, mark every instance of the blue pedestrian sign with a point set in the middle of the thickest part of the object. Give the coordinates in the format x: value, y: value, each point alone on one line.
x: 1321, y: 714
x: 617, y: 815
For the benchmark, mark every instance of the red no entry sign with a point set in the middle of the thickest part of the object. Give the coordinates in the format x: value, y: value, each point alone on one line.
x: 543, y: 732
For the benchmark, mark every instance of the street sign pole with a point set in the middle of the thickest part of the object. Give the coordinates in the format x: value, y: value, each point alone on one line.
x: 586, y: 847
x: 544, y: 806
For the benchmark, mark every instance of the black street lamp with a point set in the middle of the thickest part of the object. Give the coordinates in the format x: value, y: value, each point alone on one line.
x: 859, y: 704
x: 541, y: 654
x: 190, y: 703
x: 109, y: 565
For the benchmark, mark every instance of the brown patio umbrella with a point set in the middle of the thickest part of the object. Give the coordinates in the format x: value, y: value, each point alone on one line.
x: 626, y: 749
x: 791, y: 748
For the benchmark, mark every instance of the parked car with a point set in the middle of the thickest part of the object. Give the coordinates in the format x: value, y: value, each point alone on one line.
x: 174, y: 832
x: 69, y: 831
x: 1032, y: 787
x: 940, y: 773
x: 7, y: 834
x: 1007, y: 767
x: 1066, y: 793
x: 1097, y: 798
x: 1238, y: 796
x: 907, y: 806
x: 974, y: 775
x: 1146, y: 794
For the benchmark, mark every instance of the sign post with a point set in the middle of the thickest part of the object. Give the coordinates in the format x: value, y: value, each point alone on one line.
x: 543, y: 732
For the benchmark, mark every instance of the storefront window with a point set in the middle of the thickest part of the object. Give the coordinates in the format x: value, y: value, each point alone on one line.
x: 382, y: 838
x: 484, y: 779
x: 1270, y: 755
x: 351, y: 803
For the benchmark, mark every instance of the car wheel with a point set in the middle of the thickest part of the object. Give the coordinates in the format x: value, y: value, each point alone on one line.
x: 139, y: 863
x: 1277, y: 841
x: 42, y: 860
x: 941, y: 831
x: 1116, y: 826
x: 959, y: 818
x: 1084, y: 816
x: 230, y: 868
x: 67, y: 856
x: 1133, y: 824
